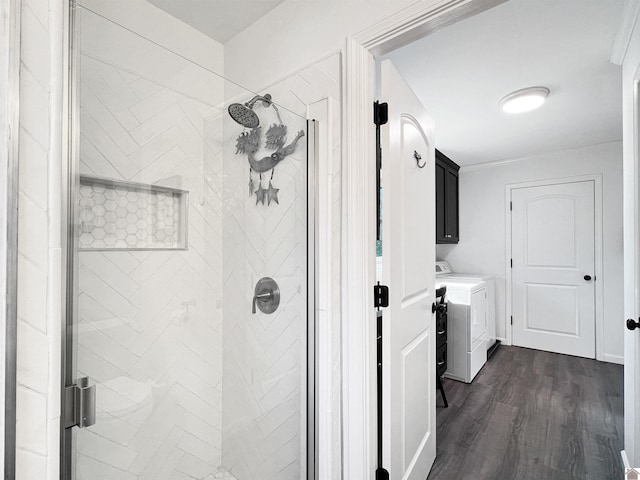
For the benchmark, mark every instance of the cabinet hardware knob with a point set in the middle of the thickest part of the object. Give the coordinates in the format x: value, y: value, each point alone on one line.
x: 632, y: 324
x: 587, y: 277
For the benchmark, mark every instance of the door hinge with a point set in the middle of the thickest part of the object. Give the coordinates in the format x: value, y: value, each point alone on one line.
x: 511, y: 319
x: 511, y: 206
x: 512, y: 263
x: 380, y: 113
x: 79, y: 404
x: 380, y: 296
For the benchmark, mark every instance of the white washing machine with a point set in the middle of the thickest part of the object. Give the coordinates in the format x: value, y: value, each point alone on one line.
x: 443, y: 271
x: 466, y: 327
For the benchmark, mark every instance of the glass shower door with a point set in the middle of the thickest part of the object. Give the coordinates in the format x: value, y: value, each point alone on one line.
x: 188, y: 270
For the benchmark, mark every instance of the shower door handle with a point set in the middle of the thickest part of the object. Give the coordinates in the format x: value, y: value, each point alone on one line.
x: 80, y: 404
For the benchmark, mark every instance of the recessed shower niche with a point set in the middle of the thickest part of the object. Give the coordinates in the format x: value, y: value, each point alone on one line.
x: 118, y: 215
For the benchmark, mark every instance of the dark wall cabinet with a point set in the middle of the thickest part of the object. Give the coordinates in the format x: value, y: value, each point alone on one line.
x: 446, y: 199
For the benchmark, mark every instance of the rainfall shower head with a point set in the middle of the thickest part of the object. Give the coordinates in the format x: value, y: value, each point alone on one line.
x: 244, y: 114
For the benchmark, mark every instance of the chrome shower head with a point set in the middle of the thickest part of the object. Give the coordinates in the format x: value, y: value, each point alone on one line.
x: 244, y: 114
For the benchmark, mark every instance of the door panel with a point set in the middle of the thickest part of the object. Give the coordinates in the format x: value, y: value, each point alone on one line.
x: 553, y: 241
x: 200, y: 365
x: 409, y: 271
x: 451, y: 220
x: 440, y: 203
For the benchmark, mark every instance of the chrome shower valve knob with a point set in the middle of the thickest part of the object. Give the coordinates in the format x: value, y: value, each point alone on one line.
x: 266, y: 296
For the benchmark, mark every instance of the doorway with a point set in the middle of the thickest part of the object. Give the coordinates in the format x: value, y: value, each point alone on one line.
x: 485, y: 231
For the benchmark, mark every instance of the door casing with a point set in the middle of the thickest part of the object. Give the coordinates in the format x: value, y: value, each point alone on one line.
x: 598, y: 272
x: 359, y: 212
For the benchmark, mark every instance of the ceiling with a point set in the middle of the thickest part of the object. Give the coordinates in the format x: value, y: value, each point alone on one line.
x: 219, y: 19
x: 460, y: 73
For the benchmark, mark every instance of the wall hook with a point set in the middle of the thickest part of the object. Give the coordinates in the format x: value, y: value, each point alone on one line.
x: 418, y: 157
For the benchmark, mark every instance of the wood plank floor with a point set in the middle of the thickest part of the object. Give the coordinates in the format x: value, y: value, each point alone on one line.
x: 532, y: 415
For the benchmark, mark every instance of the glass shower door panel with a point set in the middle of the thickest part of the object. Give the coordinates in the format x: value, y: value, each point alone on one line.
x: 170, y: 242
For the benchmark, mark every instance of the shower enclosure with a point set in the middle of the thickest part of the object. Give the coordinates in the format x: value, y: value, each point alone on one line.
x: 188, y: 351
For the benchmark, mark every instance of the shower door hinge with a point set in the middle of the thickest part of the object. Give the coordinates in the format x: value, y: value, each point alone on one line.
x: 380, y: 113
x: 79, y: 407
x: 380, y: 296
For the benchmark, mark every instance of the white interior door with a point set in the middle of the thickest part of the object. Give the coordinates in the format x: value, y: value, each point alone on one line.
x: 553, y: 241
x: 408, y: 245
x: 632, y: 264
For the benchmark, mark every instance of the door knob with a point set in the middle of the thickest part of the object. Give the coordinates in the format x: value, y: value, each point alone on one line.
x: 632, y: 324
x: 587, y: 277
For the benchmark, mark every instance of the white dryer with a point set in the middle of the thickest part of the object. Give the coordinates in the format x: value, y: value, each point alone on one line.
x: 443, y: 271
x: 466, y: 327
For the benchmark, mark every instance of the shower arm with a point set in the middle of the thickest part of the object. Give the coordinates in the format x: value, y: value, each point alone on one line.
x: 266, y: 102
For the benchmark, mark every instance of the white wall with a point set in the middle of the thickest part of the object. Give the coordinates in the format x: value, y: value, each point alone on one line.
x: 152, y: 23
x: 630, y: 67
x: 306, y: 32
x: 482, y: 243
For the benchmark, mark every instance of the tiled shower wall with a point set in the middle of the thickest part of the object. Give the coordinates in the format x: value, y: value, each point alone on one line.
x: 264, y: 355
x: 38, y: 373
x: 150, y: 323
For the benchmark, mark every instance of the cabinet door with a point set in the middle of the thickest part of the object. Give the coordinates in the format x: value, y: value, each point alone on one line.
x: 441, y: 172
x: 451, y: 209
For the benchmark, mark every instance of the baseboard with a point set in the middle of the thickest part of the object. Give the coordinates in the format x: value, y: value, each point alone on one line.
x: 503, y: 340
x: 613, y: 359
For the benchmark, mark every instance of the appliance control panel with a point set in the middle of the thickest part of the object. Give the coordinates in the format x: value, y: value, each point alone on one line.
x: 442, y: 268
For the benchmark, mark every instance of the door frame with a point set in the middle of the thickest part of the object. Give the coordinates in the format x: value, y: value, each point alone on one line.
x: 359, y: 212
x: 9, y: 163
x: 598, y: 256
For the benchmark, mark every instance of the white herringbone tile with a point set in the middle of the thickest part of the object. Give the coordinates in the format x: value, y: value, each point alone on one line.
x: 151, y: 317
x: 225, y: 386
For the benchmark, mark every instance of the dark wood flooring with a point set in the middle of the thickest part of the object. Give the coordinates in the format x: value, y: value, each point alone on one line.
x: 532, y: 415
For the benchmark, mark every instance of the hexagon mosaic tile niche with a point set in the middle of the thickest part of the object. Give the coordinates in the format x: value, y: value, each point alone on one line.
x: 126, y: 216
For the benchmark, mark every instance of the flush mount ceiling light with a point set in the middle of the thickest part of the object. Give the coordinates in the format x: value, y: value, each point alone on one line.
x: 524, y: 100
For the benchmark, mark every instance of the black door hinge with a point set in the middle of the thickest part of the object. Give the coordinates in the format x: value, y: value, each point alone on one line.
x: 380, y: 113
x: 512, y: 263
x: 380, y: 117
x: 511, y: 319
x: 380, y: 296
x: 511, y: 206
